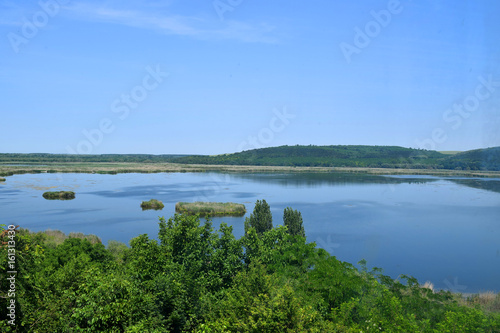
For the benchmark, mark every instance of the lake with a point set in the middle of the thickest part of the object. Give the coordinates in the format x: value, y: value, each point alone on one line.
x: 439, y: 229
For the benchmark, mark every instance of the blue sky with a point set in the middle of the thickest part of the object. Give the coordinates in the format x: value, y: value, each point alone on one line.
x: 210, y: 77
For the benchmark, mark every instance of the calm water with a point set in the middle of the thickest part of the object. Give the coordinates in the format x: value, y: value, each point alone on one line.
x: 445, y: 230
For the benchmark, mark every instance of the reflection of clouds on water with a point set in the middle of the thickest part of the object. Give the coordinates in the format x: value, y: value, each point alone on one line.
x: 45, y: 182
x: 243, y: 195
x: 372, y: 245
x: 170, y: 192
x: 70, y: 211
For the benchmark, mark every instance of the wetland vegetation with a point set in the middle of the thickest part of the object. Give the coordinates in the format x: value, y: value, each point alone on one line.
x: 59, y: 195
x: 210, y: 208
x: 152, y: 204
x: 357, y: 159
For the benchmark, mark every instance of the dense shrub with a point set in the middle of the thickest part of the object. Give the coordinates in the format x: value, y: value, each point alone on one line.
x: 197, y: 279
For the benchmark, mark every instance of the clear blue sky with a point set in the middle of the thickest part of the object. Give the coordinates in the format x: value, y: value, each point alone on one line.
x: 91, y: 76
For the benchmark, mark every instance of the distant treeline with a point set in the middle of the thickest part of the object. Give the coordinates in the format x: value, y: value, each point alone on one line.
x: 62, y: 158
x: 319, y: 156
x: 356, y: 156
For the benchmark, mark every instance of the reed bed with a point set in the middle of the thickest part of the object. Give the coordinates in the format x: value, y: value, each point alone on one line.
x: 210, y: 208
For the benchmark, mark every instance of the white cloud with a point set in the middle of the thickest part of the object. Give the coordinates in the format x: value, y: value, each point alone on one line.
x: 171, y: 24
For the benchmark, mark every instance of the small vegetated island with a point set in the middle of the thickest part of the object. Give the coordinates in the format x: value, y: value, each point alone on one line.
x: 152, y: 204
x: 2, y: 179
x: 210, y: 208
x: 59, y: 195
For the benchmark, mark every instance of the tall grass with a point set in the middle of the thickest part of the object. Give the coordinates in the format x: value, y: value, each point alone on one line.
x: 210, y: 208
x: 53, y: 238
x: 488, y: 301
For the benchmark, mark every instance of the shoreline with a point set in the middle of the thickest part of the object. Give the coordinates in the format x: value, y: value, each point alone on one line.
x: 125, y: 167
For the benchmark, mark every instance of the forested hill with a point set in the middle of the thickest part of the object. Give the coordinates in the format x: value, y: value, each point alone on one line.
x: 355, y: 156
x: 477, y: 159
x: 329, y: 156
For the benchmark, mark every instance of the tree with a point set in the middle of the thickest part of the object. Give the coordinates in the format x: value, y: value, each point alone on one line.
x: 293, y: 220
x: 261, y: 218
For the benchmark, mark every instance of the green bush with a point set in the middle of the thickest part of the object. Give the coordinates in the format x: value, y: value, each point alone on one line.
x: 152, y: 204
x: 59, y: 195
x: 197, y: 279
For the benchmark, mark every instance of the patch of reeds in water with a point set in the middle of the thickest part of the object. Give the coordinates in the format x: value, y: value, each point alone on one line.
x: 152, y: 204
x: 59, y: 195
x: 210, y: 208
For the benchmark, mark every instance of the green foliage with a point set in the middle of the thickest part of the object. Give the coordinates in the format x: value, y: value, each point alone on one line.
x: 259, y: 302
x: 197, y: 279
x: 261, y: 219
x: 152, y: 204
x: 59, y: 195
x: 73, y: 247
x: 356, y: 156
x: 478, y: 159
x: 117, y: 250
x: 292, y: 219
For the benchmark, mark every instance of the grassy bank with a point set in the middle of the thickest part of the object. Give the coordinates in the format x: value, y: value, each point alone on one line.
x: 488, y: 301
x: 115, y: 168
x: 210, y: 208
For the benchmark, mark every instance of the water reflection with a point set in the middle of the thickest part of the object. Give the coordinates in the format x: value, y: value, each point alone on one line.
x: 434, y: 228
x: 334, y: 178
x: 482, y: 184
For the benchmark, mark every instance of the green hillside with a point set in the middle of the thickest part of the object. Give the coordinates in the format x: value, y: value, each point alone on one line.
x: 356, y: 156
x: 329, y: 156
x: 477, y: 159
